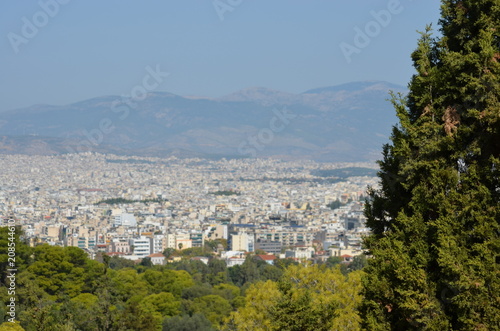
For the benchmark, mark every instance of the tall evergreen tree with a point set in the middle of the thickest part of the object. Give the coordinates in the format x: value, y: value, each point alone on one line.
x: 435, y: 219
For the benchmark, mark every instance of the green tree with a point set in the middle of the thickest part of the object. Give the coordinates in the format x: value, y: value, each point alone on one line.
x: 146, y: 262
x: 305, y: 298
x: 116, y: 262
x: 9, y: 326
x: 197, y: 269
x: 217, y: 272
x: 137, y: 317
x: 126, y: 283
x: 197, y: 291
x: 64, y: 271
x: 168, y: 252
x: 358, y: 263
x: 214, y: 307
x: 172, y: 281
x: 435, y: 219
x: 83, y: 311
x: 335, y: 204
x: 22, y: 250
x: 159, y: 306
x: 196, y: 322
x: 333, y: 261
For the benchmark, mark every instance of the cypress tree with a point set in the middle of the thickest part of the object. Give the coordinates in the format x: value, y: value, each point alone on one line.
x: 435, y: 217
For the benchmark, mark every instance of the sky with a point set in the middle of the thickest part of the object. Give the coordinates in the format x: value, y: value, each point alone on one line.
x: 64, y: 51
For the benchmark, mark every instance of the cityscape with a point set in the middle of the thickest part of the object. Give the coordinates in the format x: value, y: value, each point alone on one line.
x: 136, y: 207
x: 232, y: 165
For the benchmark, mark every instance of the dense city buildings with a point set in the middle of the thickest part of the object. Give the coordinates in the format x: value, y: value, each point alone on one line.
x: 137, y: 207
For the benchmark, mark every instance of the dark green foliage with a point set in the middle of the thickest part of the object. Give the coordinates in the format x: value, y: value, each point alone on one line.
x: 299, y: 308
x: 435, y: 219
x: 358, y: 263
x: 197, y: 291
x: 116, y: 262
x: 344, y: 173
x: 122, y: 201
x: 146, y: 262
x: 217, y: 272
x: 253, y: 270
x: 335, y: 204
x: 333, y: 261
x: 168, y: 252
x: 196, y: 322
x: 197, y: 269
x: 62, y: 289
x: 225, y: 193
x: 22, y: 250
x: 194, y: 251
x: 63, y: 271
x: 284, y: 263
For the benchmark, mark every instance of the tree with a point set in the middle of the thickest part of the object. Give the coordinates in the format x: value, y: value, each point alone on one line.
x: 335, y: 204
x: 126, y: 283
x: 9, y: 326
x: 159, y: 305
x: 83, y: 310
x: 333, y: 261
x: 214, y: 307
x: 7, y: 245
x: 358, y: 263
x: 217, y: 271
x: 435, y: 218
x: 64, y: 271
x: 168, y: 252
x: 305, y: 298
x: 196, y: 322
x: 116, y: 262
x: 172, y: 281
x: 146, y: 262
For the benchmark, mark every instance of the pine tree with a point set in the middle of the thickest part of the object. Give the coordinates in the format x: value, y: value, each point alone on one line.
x: 435, y: 218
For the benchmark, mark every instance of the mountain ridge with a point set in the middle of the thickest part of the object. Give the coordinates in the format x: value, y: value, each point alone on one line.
x: 348, y: 122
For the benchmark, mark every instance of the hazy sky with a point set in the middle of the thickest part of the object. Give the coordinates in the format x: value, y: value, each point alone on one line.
x: 63, y: 51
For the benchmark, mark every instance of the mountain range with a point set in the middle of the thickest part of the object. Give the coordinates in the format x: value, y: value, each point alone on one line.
x: 348, y: 122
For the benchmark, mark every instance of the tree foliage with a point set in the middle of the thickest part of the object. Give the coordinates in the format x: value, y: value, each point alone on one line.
x: 196, y: 322
x: 62, y: 289
x: 305, y: 298
x: 435, y: 218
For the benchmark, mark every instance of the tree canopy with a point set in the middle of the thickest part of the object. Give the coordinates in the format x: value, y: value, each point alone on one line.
x: 435, y: 219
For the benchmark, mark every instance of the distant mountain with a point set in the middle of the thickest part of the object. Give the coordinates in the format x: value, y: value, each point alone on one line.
x: 348, y: 122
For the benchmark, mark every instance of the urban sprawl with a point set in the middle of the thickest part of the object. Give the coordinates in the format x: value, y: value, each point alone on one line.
x: 137, y: 207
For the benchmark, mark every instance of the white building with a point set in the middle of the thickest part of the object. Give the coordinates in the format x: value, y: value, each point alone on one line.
x: 159, y: 243
x: 157, y: 259
x: 125, y: 219
x: 142, y: 246
x: 300, y: 253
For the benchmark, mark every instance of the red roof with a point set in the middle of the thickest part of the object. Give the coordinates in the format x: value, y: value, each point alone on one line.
x: 345, y: 255
x: 267, y: 257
